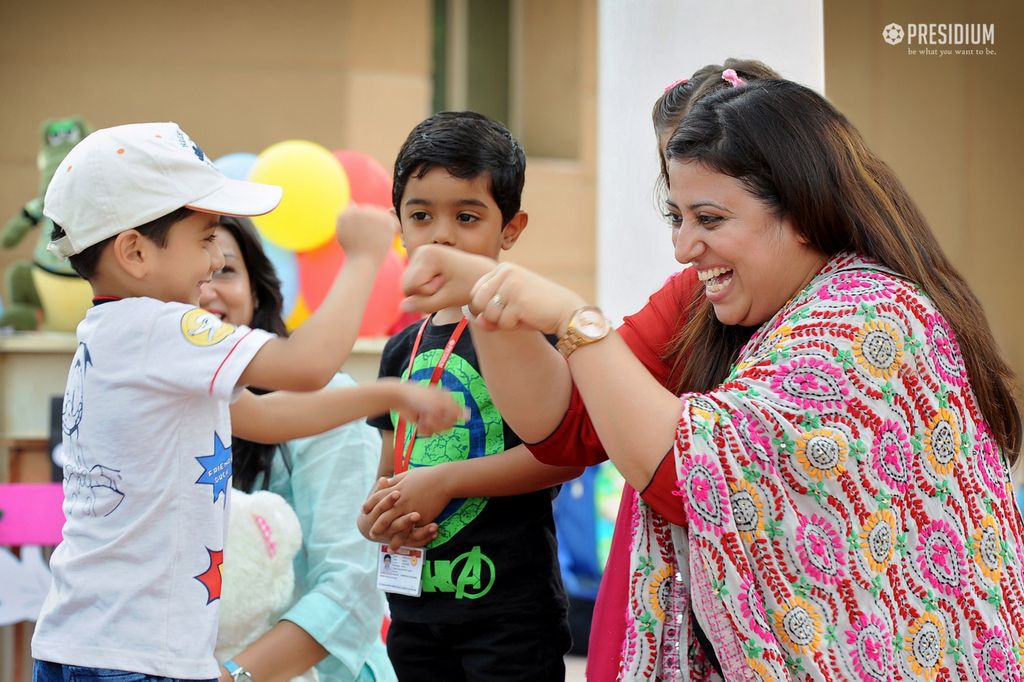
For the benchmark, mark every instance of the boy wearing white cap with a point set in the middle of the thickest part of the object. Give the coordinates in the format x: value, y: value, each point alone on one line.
x: 146, y: 421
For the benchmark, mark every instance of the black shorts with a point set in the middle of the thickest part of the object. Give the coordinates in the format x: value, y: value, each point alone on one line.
x: 500, y: 650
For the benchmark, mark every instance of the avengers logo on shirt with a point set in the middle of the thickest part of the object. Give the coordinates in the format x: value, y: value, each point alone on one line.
x: 483, y: 434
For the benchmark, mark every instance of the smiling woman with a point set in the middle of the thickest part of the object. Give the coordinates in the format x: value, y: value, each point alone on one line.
x: 835, y: 497
x: 736, y: 244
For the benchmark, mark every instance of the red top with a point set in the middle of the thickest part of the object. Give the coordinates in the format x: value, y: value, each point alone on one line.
x: 575, y: 442
x: 647, y: 333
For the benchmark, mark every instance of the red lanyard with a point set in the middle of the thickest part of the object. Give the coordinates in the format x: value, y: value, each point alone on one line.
x: 403, y: 455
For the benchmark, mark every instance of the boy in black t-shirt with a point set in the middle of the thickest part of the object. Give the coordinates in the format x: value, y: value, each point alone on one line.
x: 492, y: 605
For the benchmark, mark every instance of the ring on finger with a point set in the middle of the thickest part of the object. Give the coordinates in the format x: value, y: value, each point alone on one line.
x: 497, y: 302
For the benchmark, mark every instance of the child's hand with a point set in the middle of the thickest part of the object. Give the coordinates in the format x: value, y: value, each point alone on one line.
x: 408, y: 507
x: 366, y: 231
x: 396, y: 530
x: 433, y: 410
x: 440, y: 277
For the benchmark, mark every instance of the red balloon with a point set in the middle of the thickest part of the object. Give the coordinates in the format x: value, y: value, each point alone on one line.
x: 318, y: 269
x: 369, y: 182
x: 383, y: 309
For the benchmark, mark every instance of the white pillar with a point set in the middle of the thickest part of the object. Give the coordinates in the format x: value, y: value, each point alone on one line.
x: 643, y: 46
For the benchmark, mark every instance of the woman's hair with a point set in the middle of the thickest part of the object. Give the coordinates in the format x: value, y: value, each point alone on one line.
x: 673, y: 105
x: 248, y: 459
x: 806, y: 162
x: 720, y: 348
x: 266, y: 287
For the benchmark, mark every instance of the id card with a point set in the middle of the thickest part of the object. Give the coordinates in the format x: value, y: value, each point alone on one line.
x: 399, y: 571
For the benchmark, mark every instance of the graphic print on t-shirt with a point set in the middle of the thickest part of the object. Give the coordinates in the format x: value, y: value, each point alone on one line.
x: 203, y: 328
x: 217, y: 468
x: 483, y: 434
x: 213, y: 576
x: 89, y: 488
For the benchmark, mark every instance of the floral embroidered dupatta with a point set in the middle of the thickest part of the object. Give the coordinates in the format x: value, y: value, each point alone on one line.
x: 850, y: 515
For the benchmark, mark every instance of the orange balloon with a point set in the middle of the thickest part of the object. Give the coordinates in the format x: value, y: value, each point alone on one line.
x: 317, y: 270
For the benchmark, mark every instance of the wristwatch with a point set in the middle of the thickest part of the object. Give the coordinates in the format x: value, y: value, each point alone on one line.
x: 588, y: 324
x: 237, y: 672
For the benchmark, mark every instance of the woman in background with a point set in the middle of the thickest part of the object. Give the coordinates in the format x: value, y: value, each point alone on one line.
x: 829, y: 497
x: 336, y: 619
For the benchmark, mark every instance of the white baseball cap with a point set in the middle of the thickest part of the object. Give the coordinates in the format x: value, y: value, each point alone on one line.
x: 123, y: 177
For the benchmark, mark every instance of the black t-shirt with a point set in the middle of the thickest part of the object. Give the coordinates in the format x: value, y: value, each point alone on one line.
x: 492, y: 556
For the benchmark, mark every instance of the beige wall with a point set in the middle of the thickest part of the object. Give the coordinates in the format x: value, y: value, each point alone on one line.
x: 950, y: 125
x: 240, y: 76
x: 560, y: 242
x: 237, y: 76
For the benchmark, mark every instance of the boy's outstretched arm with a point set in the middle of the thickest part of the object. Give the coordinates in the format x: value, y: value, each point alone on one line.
x: 282, y: 416
x: 311, y: 356
x: 419, y: 495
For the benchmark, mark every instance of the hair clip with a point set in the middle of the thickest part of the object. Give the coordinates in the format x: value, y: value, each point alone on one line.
x: 730, y: 75
x: 682, y: 81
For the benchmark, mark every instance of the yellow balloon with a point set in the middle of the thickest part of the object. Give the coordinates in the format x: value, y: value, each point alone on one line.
x: 399, y: 248
x: 316, y: 190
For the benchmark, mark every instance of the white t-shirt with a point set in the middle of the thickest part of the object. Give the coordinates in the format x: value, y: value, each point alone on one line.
x: 147, y: 445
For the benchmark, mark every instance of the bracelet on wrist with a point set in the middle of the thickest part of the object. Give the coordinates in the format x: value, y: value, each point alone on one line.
x: 237, y: 672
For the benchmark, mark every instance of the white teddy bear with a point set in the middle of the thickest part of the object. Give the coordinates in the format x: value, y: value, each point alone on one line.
x: 258, y: 581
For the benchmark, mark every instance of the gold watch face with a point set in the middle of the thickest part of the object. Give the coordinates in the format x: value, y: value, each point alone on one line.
x: 591, y: 323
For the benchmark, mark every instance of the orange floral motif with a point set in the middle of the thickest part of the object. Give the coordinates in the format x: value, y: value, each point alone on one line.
x: 878, y: 540
x: 658, y: 580
x: 986, y: 549
x: 926, y: 645
x: 746, y: 508
x: 822, y: 453
x: 799, y: 626
x: 760, y: 670
x: 942, y: 441
x: 878, y: 348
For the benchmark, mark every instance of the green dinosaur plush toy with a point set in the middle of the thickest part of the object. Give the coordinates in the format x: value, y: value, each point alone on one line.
x: 26, y: 302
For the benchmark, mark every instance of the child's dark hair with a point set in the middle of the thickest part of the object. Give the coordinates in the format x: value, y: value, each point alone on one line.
x: 467, y: 145
x: 85, y: 263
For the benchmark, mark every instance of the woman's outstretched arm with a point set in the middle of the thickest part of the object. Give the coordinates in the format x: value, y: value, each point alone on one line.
x: 633, y: 414
x: 526, y: 377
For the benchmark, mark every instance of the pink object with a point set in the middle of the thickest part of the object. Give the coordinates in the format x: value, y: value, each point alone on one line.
x: 611, y: 610
x: 730, y: 75
x: 268, y: 535
x: 681, y: 80
x: 33, y: 513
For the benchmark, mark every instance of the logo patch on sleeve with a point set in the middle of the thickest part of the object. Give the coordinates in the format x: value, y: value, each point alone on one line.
x: 203, y: 328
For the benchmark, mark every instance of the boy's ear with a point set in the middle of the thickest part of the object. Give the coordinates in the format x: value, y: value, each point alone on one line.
x: 130, y: 253
x: 510, y: 233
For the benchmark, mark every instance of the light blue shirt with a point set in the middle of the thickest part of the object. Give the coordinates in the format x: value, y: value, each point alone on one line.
x: 335, y: 571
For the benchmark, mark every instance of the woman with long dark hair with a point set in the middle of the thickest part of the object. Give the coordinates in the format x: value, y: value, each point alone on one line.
x: 825, y: 491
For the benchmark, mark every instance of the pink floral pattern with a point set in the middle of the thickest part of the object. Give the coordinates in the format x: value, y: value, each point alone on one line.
x: 846, y: 503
